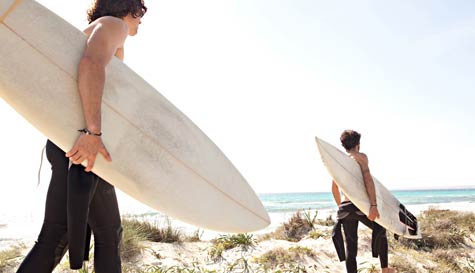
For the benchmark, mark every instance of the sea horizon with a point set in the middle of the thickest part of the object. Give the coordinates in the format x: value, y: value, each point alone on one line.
x: 390, y: 189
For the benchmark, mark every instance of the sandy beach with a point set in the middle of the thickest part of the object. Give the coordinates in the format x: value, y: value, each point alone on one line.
x: 450, y: 249
x: 195, y: 255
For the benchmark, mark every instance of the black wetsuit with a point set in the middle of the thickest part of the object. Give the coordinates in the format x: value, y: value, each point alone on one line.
x: 77, y: 202
x: 348, y: 216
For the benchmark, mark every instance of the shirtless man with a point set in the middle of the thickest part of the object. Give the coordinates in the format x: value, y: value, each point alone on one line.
x: 349, y: 215
x: 78, y: 201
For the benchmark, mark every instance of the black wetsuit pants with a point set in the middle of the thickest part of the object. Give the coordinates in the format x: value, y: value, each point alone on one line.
x: 349, y: 215
x: 103, y: 219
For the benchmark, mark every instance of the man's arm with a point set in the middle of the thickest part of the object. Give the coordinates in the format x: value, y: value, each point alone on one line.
x: 362, y: 160
x: 336, y: 193
x: 105, y: 39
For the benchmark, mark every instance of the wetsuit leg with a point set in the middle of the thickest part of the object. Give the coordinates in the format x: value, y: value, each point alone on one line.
x: 379, y: 241
x: 104, y: 220
x: 52, y: 242
x: 350, y: 227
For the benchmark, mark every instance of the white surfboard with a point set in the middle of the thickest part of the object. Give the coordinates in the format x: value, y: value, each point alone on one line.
x: 347, y: 174
x: 159, y: 156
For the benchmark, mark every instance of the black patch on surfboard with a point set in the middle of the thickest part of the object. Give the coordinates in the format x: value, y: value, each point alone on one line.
x: 408, y: 219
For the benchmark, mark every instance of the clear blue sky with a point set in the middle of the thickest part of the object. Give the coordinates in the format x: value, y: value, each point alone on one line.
x: 262, y: 78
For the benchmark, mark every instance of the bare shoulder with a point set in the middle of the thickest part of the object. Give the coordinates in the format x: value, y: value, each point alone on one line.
x: 112, y: 21
x: 107, y: 26
x: 112, y: 24
x: 105, y: 36
x: 361, y: 158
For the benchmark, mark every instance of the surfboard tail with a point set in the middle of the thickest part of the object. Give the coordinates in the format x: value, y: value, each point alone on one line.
x: 409, y: 220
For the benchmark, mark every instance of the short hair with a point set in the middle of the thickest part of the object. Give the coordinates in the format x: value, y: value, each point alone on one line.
x: 350, y: 139
x: 115, y: 8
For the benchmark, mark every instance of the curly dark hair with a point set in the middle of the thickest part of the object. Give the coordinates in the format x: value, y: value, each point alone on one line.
x: 349, y: 139
x: 116, y: 8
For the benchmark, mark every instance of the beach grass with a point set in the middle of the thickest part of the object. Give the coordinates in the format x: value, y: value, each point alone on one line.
x: 298, y: 226
x: 131, y: 246
x: 280, y: 257
x: 242, y: 240
x: 402, y: 264
x: 9, y: 257
x: 310, y: 219
x: 195, y: 236
x: 133, y: 235
x: 300, y: 252
x: 447, y: 243
x: 366, y: 267
x: 153, y: 232
x: 329, y: 221
x: 316, y: 234
x: 442, y: 229
x: 447, y: 246
x: 225, y: 242
x: 240, y: 265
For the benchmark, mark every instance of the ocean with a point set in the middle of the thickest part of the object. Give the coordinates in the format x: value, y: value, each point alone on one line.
x: 280, y: 206
x: 291, y: 202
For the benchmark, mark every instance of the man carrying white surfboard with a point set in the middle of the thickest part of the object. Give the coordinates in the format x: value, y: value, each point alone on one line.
x: 77, y: 199
x: 349, y: 215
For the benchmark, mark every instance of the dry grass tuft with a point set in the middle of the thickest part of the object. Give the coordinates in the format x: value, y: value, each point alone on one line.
x: 279, y: 257
x: 9, y: 257
x: 154, y: 233
x: 136, y: 232
x: 446, y: 243
x: 294, y: 229
x: 443, y: 229
x: 130, y: 245
x: 225, y: 242
x: 403, y: 265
